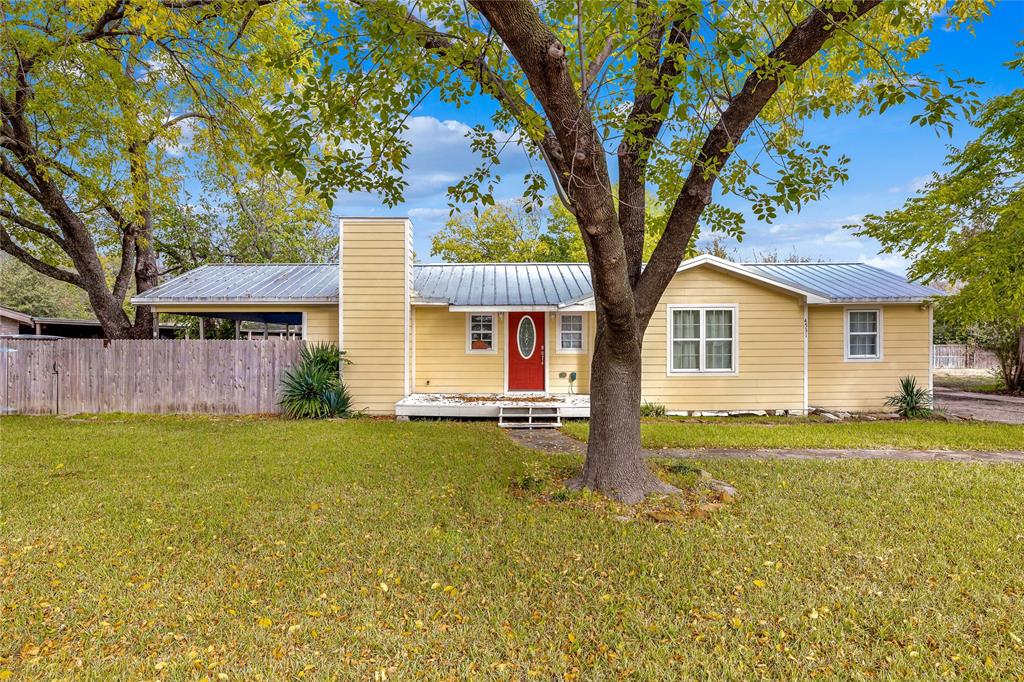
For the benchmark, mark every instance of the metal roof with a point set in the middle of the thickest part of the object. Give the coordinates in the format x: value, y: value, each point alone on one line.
x: 505, y: 284
x: 247, y: 283
x: 845, y: 281
x: 502, y: 284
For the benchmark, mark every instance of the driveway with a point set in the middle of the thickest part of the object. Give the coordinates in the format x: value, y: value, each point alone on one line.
x: 986, y: 406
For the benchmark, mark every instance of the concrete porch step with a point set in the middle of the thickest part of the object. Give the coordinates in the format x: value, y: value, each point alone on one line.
x: 529, y: 417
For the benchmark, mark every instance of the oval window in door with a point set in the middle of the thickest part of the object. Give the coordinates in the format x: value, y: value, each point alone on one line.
x: 526, y: 336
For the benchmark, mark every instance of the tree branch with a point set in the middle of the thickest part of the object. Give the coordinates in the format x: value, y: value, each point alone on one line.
x: 171, y: 122
x: 542, y: 57
x: 127, y: 267
x: 8, y: 245
x: 114, y: 12
x: 47, y: 232
x: 802, y: 43
x: 22, y: 182
x: 641, y: 130
x: 479, y: 71
x: 597, y: 64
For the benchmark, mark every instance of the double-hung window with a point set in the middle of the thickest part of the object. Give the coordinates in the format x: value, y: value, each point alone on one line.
x: 863, y: 335
x: 702, y: 340
x: 480, y: 333
x: 570, y: 333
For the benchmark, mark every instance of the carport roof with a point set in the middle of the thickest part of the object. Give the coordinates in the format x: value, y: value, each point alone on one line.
x: 249, y: 283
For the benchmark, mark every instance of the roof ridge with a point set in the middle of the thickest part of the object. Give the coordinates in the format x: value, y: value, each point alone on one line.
x: 817, y: 262
x: 495, y: 263
x: 250, y: 265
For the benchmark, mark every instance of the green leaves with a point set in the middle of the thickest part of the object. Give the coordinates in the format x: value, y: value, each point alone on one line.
x: 965, y: 228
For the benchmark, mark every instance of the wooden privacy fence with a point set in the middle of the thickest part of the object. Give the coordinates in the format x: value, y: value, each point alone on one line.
x: 962, y: 356
x: 69, y: 376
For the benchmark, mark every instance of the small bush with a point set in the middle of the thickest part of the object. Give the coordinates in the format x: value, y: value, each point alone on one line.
x: 313, y: 389
x: 652, y: 409
x: 912, y: 401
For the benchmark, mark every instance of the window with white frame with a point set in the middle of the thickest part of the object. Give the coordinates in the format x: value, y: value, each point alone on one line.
x: 863, y: 335
x: 479, y: 333
x: 702, y: 339
x: 570, y: 333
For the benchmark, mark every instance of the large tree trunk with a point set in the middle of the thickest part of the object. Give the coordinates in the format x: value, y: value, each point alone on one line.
x: 626, y: 294
x: 614, y: 463
x: 1016, y: 382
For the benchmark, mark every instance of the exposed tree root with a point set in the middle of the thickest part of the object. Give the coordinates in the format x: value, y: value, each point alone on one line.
x: 625, y: 489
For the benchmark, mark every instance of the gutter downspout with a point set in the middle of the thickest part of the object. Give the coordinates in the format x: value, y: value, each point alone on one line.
x: 341, y: 289
x: 931, y: 350
x: 806, y: 335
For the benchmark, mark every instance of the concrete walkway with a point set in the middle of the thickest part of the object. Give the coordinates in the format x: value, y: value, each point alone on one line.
x: 987, y: 406
x: 553, y: 440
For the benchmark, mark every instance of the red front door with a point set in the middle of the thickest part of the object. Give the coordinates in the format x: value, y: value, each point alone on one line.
x: 526, y: 351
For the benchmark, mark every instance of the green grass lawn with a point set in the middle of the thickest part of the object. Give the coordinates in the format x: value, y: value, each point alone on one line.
x: 804, y: 432
x: 178, y: 548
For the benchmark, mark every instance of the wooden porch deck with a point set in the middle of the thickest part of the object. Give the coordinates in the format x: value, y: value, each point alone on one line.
x: 488, y: 405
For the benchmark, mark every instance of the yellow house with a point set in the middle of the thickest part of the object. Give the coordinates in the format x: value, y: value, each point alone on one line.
x: 469, y: 339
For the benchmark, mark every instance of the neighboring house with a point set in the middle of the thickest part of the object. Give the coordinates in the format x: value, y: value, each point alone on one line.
x: 726, y: 336
x: 12, y: 322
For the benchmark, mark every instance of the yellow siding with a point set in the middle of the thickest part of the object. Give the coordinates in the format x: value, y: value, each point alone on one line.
x: 442, y: 363
x: 322, y: 324
x: 771, y: 347
x: 444, y: 366
x: 559, y: 363
x: 321, y: 320
x: 838, y: 384
x: 376, y: 276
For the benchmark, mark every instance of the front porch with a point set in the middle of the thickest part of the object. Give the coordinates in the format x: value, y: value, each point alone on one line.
x: 489, y: 405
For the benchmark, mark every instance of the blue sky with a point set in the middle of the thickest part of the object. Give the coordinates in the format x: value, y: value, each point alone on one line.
x: 890, y: 158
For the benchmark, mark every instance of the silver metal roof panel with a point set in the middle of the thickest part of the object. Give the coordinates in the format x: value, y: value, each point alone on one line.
x: 845, y: 281
x: 502, y: 284
x: 248, y: 283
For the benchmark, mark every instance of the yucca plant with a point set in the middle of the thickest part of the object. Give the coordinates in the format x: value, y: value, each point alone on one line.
x: 912, y: 401
x: 313, y: 389
x: 339, y: 402
x: 324, y: 354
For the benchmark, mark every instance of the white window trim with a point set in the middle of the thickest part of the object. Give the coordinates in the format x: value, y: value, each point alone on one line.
x: 469, y: 336
x: 703, y: 372
x: 846, y: 336
x: 582, y: 350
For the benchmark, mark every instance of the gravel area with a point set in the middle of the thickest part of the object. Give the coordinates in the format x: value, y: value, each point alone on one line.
x: 986, y: 406
x: 553, y: 440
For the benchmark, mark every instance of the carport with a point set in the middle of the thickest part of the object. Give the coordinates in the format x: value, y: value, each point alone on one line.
x: 264, y: 300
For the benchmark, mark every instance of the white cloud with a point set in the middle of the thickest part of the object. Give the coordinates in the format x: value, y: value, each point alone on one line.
x: 439, y: 156
x: 840, y: 237
x: 185, y: 131
x: 426, y: 213
x: 888, y: 261
x: 915, y: 185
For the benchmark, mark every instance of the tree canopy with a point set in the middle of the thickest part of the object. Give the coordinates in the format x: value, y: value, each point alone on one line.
x: 110, y: 110
x: 511, y: 232
x: 966, y: 227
